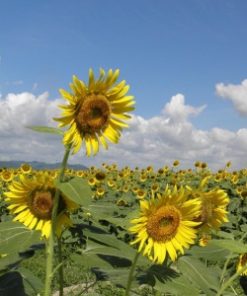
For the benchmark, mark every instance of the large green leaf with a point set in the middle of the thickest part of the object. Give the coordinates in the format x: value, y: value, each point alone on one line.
x: 90, y: 261
x: 77, y: 190
x: 45, y: 129
x: 96, y: 248
x: 210, y: 252
x: 107, y: 244
x: 8, y: 260
x: 102, y: 210
x: 179, y: 286
x: 15, y: 237
x: 33, y: 285
x: 231, y: 245
x: 198, y: 273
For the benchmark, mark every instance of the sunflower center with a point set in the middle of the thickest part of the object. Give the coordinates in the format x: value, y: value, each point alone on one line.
x: 162, y: 224
x: 41, y: 204
x: 93, y: 114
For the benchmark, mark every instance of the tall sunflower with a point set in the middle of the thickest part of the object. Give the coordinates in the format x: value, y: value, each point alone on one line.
x: 166, y: 225
x: 31, y: 201
x: 95, y: 111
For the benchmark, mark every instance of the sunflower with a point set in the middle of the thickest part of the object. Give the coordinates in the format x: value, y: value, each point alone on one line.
x: 26, y: 168
x: 176, y: 163
x: 242, y: 262
x: 96, y: 111
x: 7, y: 176
x: 155, y: 187
x: 204, y: 239
x: 165, y: 225
x: 31, y: 201
x: 140, y: 194
x: 100, y: 191
x: 100, y: 176
x: 213, y: 211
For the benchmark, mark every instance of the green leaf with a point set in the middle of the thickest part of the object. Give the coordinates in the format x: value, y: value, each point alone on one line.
x: 223, y: 234
x: 12, y: 259
x: 99, y: 249
x: 244, y: 227
x: 210, y: 252
x: 102, y: 210
x: 177, y: 287
x: 109, y: 245
x: 198, y: 273
x: 46, y: 129
x: 231, y: 245
x: 116, y: 246
x: 77, y: 190
x: 90, y: 261
x: 15, y: 237
x: 32, y: 283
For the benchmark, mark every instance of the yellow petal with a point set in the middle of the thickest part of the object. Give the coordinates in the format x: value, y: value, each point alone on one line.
x: 67, y: 95
x: 46, y: 230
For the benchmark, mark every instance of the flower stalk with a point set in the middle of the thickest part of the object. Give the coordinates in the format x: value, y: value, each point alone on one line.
x: 131, y: 273
x: 51, y: 242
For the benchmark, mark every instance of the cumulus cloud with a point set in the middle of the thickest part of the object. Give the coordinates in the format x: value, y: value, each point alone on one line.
x: 176, y: 110
x: 236, y: 93
x: 19, y: 143
x: 158, y: 140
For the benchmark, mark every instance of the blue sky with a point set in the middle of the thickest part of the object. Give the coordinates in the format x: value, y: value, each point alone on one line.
x: 161, y: 47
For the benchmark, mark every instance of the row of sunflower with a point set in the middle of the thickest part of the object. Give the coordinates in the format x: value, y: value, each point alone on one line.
x: 160, y: 212
x: 171, y: 217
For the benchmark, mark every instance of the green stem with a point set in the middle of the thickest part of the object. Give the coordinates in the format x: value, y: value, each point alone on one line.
x: 227, y: 283
x: 51, y: 242
x: 229, y: 258
x: 130, y: 278
x: 60, y: 260
x: 230, y: 280
x: 225, y: 266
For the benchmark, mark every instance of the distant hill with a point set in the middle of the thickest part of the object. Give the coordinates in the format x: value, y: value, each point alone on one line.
x: 39, y: 165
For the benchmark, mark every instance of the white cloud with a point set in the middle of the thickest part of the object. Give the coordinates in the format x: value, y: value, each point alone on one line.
x: 19, y: 143
x: 157, y: 141
x: 176, y: 110
x: 236, y: 93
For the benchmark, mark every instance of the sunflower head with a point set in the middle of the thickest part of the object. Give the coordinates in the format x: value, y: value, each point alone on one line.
x: 165, y: 225
x: 26, y: 168
x: 242, y: 262
x: 31, y: 200
x: 214, y: 209
x: 96, y: 111
x: 7, y: 176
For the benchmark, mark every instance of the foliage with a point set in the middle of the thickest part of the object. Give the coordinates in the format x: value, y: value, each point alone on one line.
x: 99, y: 239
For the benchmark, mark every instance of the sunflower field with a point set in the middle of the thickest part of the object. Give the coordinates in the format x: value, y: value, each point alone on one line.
x: 119, y: 231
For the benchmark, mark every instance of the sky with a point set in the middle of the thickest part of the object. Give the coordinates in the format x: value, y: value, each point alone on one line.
x: 185, y: 62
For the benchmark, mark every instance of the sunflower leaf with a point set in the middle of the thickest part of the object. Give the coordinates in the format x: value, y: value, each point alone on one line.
x: 209, y: 252
x: 230, y: 245
x: 198, y: 274
x: 31, y: 282
x: 77, y: 190
x: 178, y: 286
x: 45, y: 129
x: 15, y: 237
